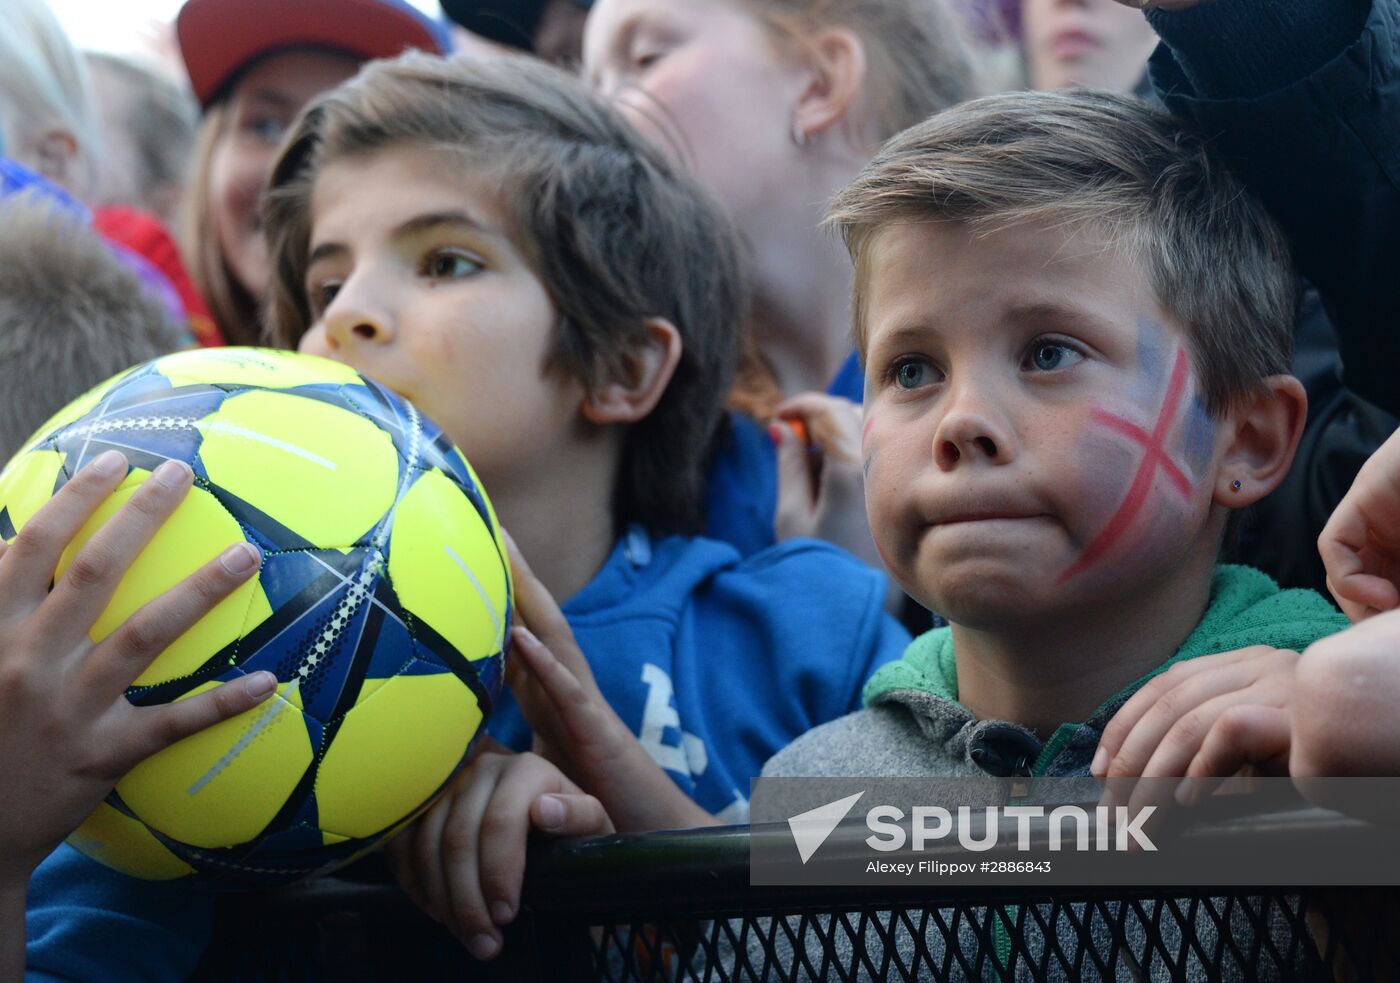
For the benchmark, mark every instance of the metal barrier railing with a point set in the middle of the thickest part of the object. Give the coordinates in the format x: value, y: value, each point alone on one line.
x: 679, y: 906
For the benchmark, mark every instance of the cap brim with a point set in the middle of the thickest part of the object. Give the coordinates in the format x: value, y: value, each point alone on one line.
x: 218, y: 37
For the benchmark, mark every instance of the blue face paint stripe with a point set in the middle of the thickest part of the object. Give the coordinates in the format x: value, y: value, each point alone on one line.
x: 1152, y: 349
x: 1198, y: 437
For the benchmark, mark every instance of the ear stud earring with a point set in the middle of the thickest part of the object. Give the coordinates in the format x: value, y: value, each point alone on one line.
x: 1236, y: 484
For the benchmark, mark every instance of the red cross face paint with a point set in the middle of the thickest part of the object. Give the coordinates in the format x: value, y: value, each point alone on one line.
x: 1034, y: 442
x: 1170, y: 459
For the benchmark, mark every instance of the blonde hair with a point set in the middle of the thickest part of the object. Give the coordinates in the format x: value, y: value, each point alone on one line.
x: 919, y: 62
x: 613, y: 232
x: 43, y: 78
x: 1214, y: 257
x: 71, y: 315
x: 155, y: 120
x: 233, y: 308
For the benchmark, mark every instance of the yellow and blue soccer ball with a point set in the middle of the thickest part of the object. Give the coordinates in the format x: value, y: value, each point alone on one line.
x: 382, y: 607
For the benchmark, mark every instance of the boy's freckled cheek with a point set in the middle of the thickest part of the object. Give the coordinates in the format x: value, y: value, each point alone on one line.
x: 1138, y: 398
x: 867, y: 445
x: 887, y: 476
x: 886, y: 556
x: 1102, y: 472
x: 445, y: 349
x: 893, y: 453
x: 1165, y: 528
x: 1158, y: 529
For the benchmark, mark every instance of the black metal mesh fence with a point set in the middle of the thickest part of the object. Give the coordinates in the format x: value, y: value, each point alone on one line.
x: 678, y: 906
x: 1320, y: 935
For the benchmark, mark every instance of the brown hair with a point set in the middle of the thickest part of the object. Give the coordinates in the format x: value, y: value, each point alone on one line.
x: 234, y: 309
x: 71, y: 315
x: 918, y: 61
x: 1215, y: 259
x: 615, y: 234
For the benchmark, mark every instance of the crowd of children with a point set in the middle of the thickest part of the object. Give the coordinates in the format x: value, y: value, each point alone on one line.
x: 757, y: 323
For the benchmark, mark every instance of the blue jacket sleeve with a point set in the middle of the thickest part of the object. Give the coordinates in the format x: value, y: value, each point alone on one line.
x: 1303, y: 96
x: 87, y: 922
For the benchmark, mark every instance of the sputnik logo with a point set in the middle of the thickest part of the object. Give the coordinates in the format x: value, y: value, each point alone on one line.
x: 811, y: 829
x: 1154, y: 458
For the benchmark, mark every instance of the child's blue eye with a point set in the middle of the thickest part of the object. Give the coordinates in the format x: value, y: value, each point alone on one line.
x: 912, y: 373
x: 450, y: 265
x: 1047, y: 356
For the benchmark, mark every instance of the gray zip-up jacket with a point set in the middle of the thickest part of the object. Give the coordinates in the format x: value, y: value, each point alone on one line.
x: 913, y: 726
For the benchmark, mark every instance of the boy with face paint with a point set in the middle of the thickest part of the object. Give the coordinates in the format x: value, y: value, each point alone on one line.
x: 1075, y: 328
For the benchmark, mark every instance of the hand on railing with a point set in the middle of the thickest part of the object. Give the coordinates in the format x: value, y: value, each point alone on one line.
x: 463, y: 861
x: 574, y: 725
x: 1204, y: 720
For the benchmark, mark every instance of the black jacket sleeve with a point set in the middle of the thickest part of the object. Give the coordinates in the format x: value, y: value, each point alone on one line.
x: 1303, y: 97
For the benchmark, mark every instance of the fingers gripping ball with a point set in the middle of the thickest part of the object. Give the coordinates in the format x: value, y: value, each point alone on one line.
x: 381, y: 606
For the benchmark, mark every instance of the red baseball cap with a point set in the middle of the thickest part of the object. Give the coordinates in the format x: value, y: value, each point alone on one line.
x: 220, y: 37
